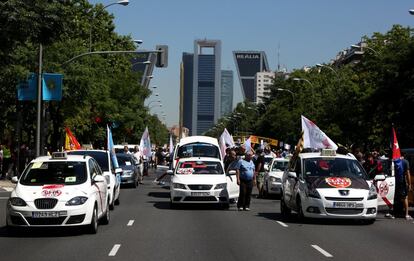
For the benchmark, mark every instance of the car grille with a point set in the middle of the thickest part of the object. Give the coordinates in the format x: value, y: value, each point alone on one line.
x: 17, y: 220
x: 45, y: 221
x: 200, y: 187
x: 343, y: 199
x: 45, y: 203
x: 344, y: 211
x: 208, y: 199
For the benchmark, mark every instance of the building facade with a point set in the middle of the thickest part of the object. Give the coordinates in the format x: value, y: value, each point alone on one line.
x: 263, y: 81
x: 226, y: 92
x: 248, y: 63
x: 187, y: 91
x: 206, y: 85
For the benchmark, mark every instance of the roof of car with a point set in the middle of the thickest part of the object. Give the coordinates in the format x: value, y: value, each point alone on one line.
x: 280, y: 159
x: 105, y: 151
x: 68, y: 158
x: 318, y: 155
x: 118, y: 146
x: 192, y: 139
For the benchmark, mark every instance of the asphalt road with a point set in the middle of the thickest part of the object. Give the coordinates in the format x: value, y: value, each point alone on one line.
x: 143, y: 227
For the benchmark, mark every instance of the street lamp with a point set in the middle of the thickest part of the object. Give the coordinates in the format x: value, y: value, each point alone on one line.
x: 326, y: 66
x: 153, y: 106
x: 364, y: 47
x: 286, y: 90
x: 307, y: 81
x: 120, y: 2
x: 411, y: 11
x: 146, y: 62
x: 138, y: 42
x: 159, y: 101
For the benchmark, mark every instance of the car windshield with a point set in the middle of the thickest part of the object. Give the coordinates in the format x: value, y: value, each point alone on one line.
x: 333, y: 167
x: 198, y: 149
x: 199, y: 167
x: 100, y: 156
x: 63, y: 172
x: 268, y: 160
x: 279, y: 165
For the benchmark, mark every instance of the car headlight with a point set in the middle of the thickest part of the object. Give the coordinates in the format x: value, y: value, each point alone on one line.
x: 127, y: 173
x: 313, y: 193
x: 221, y: 186
x: 76, y: 201
x: 372, y: 192
x: 179, y: 186
x: 18, y: 202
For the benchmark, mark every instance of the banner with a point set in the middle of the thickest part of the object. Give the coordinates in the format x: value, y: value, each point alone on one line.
x: 111, y: 148
x: 52, y: 86
x: 145, y: 144
x: 227, y: 138
x: 71, y: 143
x: 314, y: 138
x: 27, y: 90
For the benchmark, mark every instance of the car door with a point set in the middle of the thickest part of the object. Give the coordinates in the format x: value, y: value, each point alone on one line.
x: 232, y: 187
x: 95, y: 186
x: 288, y: 182
x: 103, y: 187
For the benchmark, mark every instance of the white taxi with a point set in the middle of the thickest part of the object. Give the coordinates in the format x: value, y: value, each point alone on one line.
x: 326, y: 185
x: 199, y: 180
x: 59, y: 191
x: 273, y: 176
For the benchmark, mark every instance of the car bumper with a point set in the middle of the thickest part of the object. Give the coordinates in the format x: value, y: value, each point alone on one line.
x: 274, y: 188
x: 127, y: 180
x: 199, y: 196
x: 319, y: 208
x: 70, y: 216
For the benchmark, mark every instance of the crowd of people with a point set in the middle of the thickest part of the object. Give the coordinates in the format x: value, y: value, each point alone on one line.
x: 13, y: 159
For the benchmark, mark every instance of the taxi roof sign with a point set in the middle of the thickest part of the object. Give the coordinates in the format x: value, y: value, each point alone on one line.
x: 328, y: 152
x: 59, y: 155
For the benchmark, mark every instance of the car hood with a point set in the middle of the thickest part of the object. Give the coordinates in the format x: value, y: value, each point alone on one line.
x: 276, y: 174
x: 199, y: 179
x: 61, y: 192
x: 337, y: 182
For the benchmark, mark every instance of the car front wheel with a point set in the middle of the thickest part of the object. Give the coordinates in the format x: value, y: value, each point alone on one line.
x: 92, y: 228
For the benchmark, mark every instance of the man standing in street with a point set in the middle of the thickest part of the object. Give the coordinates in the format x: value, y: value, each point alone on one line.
x: 246, y: 179
x: 403, y: 184
x: 138, y: 156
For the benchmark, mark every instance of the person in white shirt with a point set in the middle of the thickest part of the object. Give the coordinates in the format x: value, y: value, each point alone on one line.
x: 138, y: 156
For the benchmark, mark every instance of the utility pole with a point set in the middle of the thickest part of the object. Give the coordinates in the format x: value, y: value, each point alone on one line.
x: 39, y: 103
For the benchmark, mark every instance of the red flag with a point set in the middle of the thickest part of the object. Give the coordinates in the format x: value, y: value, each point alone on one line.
x: 71, y: 143
x: 396, y: 153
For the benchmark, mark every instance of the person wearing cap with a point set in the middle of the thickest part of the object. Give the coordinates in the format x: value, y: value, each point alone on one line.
x: 246, y: 179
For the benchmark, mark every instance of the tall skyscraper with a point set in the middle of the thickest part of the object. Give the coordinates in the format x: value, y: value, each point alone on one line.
x: 263, y: 81
x: 248, y: 63
x: 206, y: 85
x: 226, y: 92
x: 187, y: 92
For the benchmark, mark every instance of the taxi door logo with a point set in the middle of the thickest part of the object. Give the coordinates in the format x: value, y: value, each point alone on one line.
x: 338, y: 182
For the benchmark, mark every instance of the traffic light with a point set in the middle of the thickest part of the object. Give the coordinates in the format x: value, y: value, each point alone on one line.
x: 162, y: 55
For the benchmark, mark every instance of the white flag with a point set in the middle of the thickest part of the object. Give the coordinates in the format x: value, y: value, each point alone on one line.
x: 315, y: 138
x: 171, y: 145
x: 145, y: 144
x: 248, y: 145
x: 227, y: 138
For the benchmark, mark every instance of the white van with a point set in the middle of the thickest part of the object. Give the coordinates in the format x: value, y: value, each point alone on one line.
x: 197, y: 146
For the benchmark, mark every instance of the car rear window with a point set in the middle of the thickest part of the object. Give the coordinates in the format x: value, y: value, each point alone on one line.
x: 64, y: 172
x: 198, y: 149
x: 199, y: 167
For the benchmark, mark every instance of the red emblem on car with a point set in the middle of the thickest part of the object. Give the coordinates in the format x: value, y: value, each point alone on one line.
x: 338, y: 182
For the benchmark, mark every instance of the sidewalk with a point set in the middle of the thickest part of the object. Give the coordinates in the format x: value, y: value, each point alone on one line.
x: 6, y: 185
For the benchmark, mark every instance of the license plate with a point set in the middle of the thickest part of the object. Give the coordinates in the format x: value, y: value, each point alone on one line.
x: 48, y: 214
x: 200, y: 194
x: 344, y: 204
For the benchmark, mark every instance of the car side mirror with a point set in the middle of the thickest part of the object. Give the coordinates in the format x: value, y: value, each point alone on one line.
x: 231, y: 172
x: 118, y: 170
x: 170, y: 172
x: 379, y: 177
x: 14, y: 180
x: 292, y: 175
x: 98, y: 178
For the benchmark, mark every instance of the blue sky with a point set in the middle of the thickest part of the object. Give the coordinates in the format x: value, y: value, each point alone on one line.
x: 308, y: 32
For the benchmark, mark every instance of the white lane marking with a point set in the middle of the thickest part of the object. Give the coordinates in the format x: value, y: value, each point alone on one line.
x: 281, y: 223
x: 130, y: 223
x: 4, y: 198
x: 323, y: 252
x: 114, y: 250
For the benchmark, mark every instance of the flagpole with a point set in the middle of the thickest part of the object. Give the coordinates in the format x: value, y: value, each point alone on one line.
x: 39, y: 103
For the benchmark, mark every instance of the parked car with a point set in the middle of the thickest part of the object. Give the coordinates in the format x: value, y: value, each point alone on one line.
x: 197, y: 146
x: 130, y: 169
x: 273, y: 177
x: 61, y: 190
x: 112, y: 174
x: 328, y: 185
x: 119, y: 148
x: 199, y: 180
